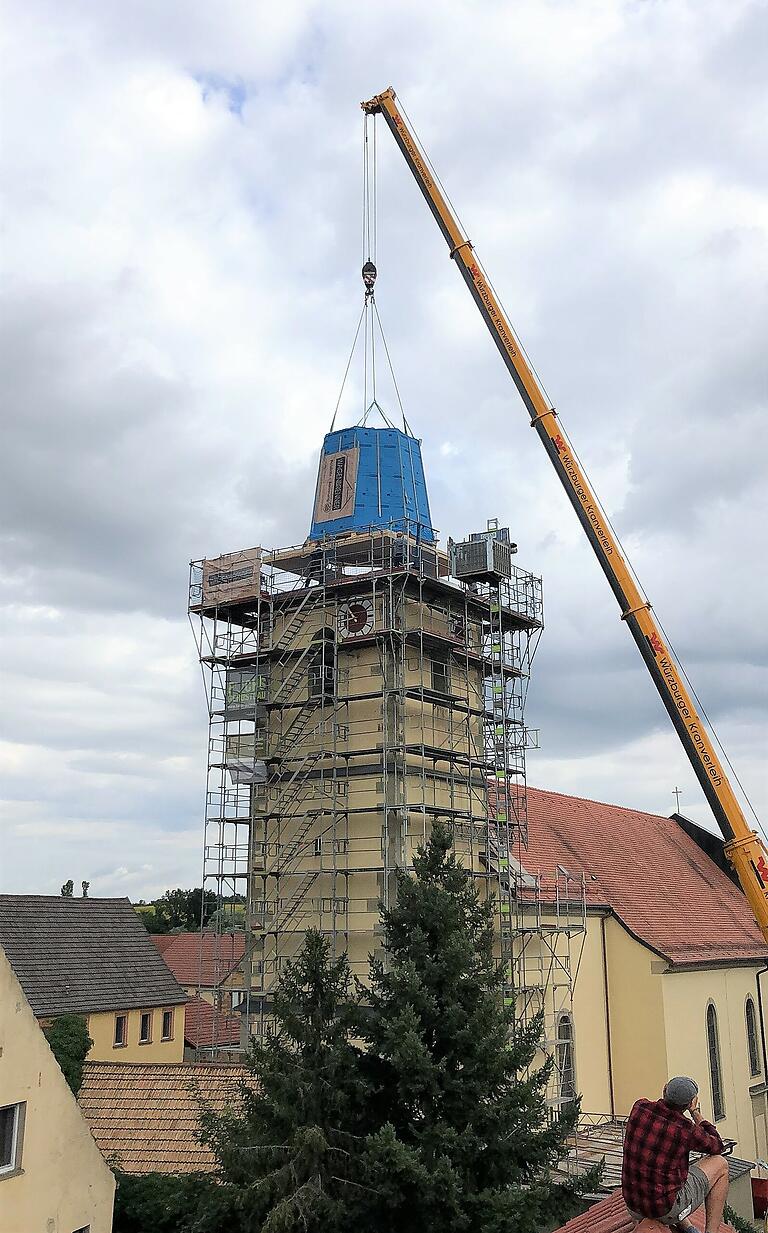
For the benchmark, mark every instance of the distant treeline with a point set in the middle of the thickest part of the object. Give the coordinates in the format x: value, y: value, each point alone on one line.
x: 186, y: 909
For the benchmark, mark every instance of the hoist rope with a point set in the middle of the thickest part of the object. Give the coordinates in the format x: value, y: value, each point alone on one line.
x: 370, y: 320
x: 668, y: 641
x: 406, y: 426
x: 346, y: 370
x: 601, y: 508
x: 711, y: 726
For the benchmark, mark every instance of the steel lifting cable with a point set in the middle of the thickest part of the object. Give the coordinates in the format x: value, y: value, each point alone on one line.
x: 369, y: 318
x: 631, y: 569
x: 375, y: 199
x: 365, y: 246
x: 366, y: 194
x: 372, y: 307
x: 601, y: 508
x: 365, y: 359
x: 346, y: 370
x: 373, y: 206
x: 712, y: 728
x: 672, y: 650
x: 463, y: 229
x: 406, y: 425
x: 430, y: 164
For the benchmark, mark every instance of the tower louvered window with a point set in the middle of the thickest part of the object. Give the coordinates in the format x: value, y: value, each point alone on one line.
x: 715, y: 1069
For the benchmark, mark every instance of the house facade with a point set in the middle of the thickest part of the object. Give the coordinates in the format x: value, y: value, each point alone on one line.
x: 669, y: 968
x: 52, y: 1175
x: 93, y: 957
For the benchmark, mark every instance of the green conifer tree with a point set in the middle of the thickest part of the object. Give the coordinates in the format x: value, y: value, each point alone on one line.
x: 290, y: 1157
x: 467, y: 1145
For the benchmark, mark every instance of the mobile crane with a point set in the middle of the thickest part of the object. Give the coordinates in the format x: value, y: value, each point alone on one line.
x: 743, y: 846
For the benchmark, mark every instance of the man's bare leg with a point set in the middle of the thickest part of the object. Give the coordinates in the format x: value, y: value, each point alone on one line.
x: 716, y: 1169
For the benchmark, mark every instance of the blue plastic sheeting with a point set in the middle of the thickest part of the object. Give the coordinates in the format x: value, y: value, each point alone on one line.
x: 385, y: 484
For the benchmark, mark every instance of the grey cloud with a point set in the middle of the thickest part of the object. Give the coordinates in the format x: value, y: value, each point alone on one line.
x: 182, y: 286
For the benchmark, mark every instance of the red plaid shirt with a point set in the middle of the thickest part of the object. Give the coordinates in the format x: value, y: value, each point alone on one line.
x: 656, y: 1145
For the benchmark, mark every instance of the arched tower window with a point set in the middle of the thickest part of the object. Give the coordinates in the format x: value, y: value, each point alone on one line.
x: 565, y: 1061
x: 754, y: 1055
x: 715, y: 1069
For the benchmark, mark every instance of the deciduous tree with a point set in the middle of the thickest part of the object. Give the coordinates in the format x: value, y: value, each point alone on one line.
x: 69, y: 1040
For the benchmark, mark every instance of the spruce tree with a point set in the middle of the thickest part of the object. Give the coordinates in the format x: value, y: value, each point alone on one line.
x: 289, y: 1158
x: 466, y: 1145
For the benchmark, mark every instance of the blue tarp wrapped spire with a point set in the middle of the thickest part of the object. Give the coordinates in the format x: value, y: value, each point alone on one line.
x: 371, y: 477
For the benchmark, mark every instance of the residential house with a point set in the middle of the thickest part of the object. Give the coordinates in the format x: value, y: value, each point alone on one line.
x: 669, y: 965
x: 93, y: 957
x: 206, y: 964
x: 53, y: 1177
x: 146, y: 1118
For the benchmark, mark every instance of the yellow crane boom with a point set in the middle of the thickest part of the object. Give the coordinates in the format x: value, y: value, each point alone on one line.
x: 744, y: 848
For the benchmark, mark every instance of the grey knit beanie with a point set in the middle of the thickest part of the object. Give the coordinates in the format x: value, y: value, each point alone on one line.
x: 680, y: 1091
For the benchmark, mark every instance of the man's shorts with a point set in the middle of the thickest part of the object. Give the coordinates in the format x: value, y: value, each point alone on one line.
x: 690, y: 1196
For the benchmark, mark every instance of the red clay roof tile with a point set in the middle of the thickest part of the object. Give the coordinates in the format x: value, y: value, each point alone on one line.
x: 201, y: 959
x: 145, y: 1117
x: 611, y: 1216
x: 204, y: 1026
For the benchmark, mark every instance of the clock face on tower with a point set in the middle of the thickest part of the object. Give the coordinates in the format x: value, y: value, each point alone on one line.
x: 356, y: 618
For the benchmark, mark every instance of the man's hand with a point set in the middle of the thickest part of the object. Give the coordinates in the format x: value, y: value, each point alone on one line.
x: 694, y: 1110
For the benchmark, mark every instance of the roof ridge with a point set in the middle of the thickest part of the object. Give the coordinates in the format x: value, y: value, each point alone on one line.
x: 625, y: 851
x: 590, y: 800
x: 76, y: 956
x: 125, y: 1067
x: 69, y: 899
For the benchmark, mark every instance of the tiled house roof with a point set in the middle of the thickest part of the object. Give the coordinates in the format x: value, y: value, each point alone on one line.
x: 145, y: 1117
x: 78, y: 956
x: 201, y: 959
x: 653, y: 876
x: 162, y: 941
x: 611, y: 1216
x: 206, y: 1027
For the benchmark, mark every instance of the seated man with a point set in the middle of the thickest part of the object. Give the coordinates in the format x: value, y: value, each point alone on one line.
x: 656, y: 1179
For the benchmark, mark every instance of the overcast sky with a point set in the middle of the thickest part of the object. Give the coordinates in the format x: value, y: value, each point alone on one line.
x: 181, y: 250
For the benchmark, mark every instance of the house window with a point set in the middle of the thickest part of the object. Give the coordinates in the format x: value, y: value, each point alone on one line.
x: 121, y: 1031
x: 145, y: 1030
x: 167, y: 1025
x: 565, y: 1064
x: 754, y: 1056
x: 715, y: 1070
x: 11, y: 1135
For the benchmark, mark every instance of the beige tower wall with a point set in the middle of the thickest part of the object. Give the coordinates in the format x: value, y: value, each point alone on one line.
x: 370, y: 697
x: 350, y: 738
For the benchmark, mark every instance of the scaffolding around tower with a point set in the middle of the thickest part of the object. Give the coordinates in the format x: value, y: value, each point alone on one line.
x: 358, y: 690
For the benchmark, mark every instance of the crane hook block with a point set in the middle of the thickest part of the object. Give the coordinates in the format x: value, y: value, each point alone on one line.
x: 369, y: 277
